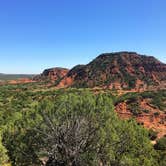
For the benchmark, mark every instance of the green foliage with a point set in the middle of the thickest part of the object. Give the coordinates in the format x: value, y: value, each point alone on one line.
x: 134, y: 108
x: 145, y: 111
x: 161, y: 144
x: 152, y: 134
x: 3, y: 153
x: 82, y: 118
x: 32, y: 119
x: 127, y: 97
x: 160, y: 147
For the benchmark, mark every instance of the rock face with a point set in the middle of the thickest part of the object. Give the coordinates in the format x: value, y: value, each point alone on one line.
x: 52, y: 74
x: 119, y: 70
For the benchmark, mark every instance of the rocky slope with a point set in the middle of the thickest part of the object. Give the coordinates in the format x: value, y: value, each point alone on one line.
x: 148, y: 108
x: 52, y: 74
x: 120, y: 70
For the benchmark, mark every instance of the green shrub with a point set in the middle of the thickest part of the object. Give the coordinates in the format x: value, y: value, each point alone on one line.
x: 152, y: 134
x: 146, y: 111
x: 161, y: 144
x: 156, y: 114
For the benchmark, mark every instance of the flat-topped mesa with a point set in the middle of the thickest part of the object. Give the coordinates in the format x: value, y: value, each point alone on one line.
x: 118, y: 70
x: 52, y: 74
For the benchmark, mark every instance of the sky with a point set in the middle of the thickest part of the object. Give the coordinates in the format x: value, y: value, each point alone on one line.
x: 39, y: 34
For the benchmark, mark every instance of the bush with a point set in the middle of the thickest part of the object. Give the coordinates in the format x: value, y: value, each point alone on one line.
x: 161, y: 144
x: 156, y: 114
x: 160, y: 147
x: 146, y: 111
x: 152, y: 134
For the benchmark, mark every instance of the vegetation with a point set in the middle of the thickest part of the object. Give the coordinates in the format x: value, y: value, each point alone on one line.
x: 156, y: 99
x: 160, y: 146
x: 152, y: 134
x: 3, y: 153
x: 69, y: 127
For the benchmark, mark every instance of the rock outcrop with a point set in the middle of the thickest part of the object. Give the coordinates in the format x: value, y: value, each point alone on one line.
x: 52, y: 74
x: 120, y: 70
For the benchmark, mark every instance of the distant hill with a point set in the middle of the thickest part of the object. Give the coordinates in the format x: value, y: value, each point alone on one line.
x: 5, y: 77
x: 119, y: 70
x: 52, y: 74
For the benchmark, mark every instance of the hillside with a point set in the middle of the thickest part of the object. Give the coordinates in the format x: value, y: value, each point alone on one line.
x: 52, y: 74
x: 120, y: 70
x: 148, y: 108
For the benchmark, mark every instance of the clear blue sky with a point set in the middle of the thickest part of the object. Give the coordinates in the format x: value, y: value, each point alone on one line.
x: 37, y: 34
